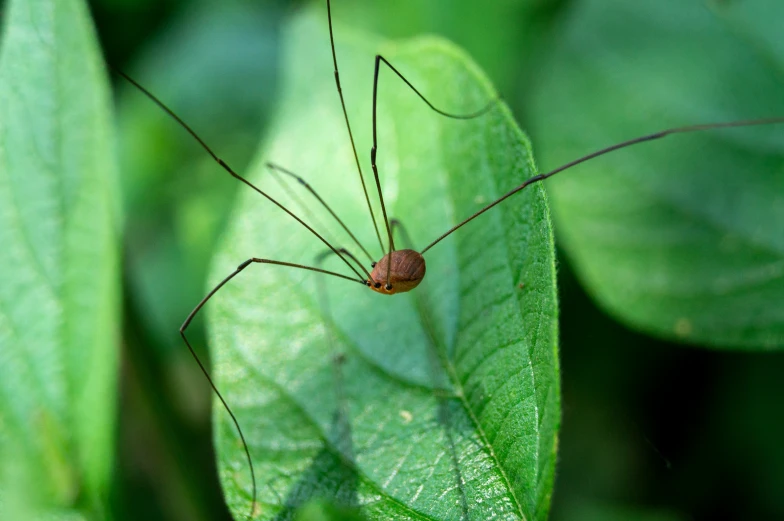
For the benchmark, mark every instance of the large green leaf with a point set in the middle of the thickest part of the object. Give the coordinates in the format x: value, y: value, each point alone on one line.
x: 59, y: 290
x: 446, y: 405
x: 681, y: 237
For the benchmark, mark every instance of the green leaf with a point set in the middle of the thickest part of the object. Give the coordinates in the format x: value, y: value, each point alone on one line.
x: 680, y: 237
x: 59, y: 314
x: 446, y: 403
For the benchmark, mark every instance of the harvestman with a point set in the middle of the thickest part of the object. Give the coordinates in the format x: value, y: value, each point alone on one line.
x: 398, y: 271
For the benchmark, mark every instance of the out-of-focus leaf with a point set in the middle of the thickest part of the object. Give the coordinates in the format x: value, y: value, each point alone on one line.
x: 59, y: 290
x: 447, y: 402
x: 681, y: 237
x: 498, y: 35
x: 215, y: 69
x: 214, y: 64
x: 758, y: 22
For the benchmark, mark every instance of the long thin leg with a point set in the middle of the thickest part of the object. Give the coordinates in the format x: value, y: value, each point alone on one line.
x: 397, y: 223
x: 323, y: 255
x: 307, y: 213
x: 380, y: 59
x: 348, y: 126
x: 277, y: 168
x: 623, y: 144
x: 344, y: 251
x: 204, y: 369
x: 228, y: 169
x: 348, y: 254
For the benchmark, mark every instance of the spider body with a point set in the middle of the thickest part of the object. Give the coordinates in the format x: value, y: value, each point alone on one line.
x: 406, y: 270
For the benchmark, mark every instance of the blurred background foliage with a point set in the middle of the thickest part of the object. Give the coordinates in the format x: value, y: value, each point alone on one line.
x: 651, y: 430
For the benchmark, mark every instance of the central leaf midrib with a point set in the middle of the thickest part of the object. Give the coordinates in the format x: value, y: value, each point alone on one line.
x: 451, y: 371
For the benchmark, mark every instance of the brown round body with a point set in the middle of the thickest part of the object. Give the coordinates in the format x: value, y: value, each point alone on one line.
x: 406, y: 271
